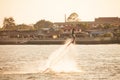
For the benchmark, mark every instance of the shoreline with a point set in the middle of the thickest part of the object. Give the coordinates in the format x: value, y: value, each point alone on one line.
x: 53, y: 42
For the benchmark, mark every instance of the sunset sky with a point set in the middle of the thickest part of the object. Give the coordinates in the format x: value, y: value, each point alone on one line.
x: 30, y: 11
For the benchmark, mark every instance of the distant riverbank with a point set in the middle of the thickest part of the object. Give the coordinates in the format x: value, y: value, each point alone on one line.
x: 61, y: 41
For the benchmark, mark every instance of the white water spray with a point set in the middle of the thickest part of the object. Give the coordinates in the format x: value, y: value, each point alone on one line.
x: 63, y: 59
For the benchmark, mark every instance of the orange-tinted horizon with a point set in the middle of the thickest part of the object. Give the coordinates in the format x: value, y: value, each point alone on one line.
x: 30, y: 11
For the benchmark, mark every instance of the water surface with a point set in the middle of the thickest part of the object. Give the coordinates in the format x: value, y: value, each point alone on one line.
x: 96, y: 62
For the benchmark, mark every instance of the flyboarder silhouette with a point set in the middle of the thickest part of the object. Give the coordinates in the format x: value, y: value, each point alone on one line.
x: 73, y: 35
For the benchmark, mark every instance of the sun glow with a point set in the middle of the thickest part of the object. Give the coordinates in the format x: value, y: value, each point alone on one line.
x: 30, y: 11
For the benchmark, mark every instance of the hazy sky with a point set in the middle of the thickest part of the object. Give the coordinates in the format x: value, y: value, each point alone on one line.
x: 30, y: 11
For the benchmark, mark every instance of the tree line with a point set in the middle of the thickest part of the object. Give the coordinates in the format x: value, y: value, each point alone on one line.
x: 9, y: 24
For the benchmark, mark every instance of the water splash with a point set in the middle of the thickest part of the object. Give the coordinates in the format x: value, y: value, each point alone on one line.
x: 63, y: 59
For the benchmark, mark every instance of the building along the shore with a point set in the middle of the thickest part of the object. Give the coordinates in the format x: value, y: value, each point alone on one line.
x: 62, y: 30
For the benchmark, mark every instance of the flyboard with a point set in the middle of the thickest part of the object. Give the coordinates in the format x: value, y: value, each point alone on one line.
x: 48, y: 69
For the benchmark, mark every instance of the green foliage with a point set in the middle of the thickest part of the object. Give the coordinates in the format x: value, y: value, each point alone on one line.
x: 0, y: 29
x: 9, y: 24
x: 24, y: 27
x: 100, y: 26
x: 83, y: 26
x: 107, y: 35
x: 43, y: 24
x: 117, y: 34
x: 107, y: 26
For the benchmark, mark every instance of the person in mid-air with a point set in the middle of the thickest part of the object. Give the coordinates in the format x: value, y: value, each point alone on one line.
x: 73, y: 35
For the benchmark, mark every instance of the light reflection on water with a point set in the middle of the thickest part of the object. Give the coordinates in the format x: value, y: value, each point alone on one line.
x: 96, y: 60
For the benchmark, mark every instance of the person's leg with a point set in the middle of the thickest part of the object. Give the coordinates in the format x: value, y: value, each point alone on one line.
x: 73, y: 37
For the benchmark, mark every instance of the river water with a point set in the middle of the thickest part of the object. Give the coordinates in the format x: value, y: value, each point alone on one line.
x: 95, y: 62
